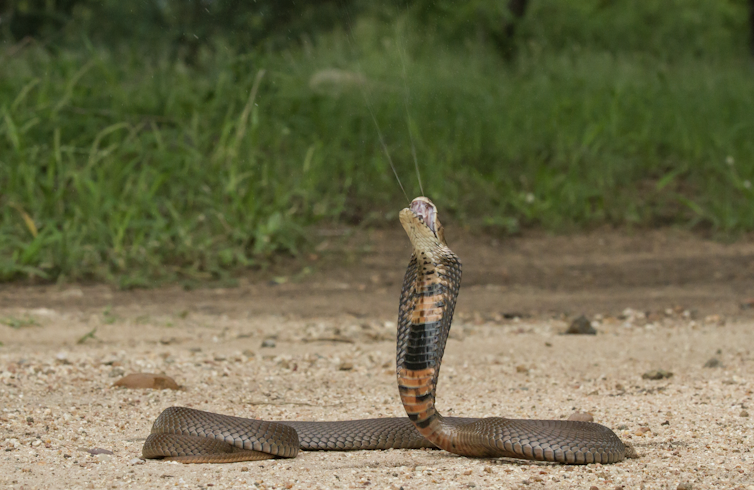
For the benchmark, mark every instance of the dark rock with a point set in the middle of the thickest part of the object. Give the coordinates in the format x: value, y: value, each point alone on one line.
x: 581, y: 326
x: 713, y: 363
x: 657, y: 374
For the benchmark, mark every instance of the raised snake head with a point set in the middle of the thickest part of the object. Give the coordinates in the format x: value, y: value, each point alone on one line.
x: 422, y: 225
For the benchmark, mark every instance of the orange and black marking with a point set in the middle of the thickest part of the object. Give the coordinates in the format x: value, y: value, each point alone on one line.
x: 417, y: 394
x: 427, y: 303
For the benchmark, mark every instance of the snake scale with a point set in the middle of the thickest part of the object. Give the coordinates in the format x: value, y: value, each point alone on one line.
x: 428, y: 299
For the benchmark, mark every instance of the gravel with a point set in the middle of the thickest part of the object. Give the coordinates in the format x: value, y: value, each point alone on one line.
x: 56, y: 397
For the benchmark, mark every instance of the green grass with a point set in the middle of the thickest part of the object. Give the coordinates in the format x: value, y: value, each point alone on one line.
x: 123, y: 165
x: 17, y: 323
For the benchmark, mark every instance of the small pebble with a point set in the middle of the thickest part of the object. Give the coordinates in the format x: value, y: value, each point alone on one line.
x: 714, y: 319
x: 743, y: 413
x: 631, y: 452
x: 98, y: 450
x: 657, y: 374
x: 713, y: 363
x: 268, y: 343
x: 145, y: 381
x: 581, y: 417
x: 345, y: 366
x: 136, y: 461
x: 684, y: 486
x: 642, y: 431
x: 581, y: 326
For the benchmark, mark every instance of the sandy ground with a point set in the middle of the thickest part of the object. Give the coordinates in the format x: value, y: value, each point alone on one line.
x: 659, y: 300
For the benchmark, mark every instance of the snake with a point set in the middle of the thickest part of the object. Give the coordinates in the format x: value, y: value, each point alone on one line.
x: 427, y: 302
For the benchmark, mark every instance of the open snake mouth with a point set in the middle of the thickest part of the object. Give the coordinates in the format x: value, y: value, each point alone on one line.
x: 425, y: 211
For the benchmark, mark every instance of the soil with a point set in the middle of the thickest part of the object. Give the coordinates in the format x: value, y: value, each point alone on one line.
x: 661, y: 300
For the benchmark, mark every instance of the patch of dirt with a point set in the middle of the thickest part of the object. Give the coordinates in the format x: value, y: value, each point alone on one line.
x: 361, y: 275
x: 314, y: 340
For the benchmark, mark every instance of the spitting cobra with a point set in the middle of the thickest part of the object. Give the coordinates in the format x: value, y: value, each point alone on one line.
x: 428, y: 299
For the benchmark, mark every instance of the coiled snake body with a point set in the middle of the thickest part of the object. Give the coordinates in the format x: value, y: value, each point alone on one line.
x: 428, y: 298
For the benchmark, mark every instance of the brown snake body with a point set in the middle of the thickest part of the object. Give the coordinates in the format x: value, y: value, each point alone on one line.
x: 428, y: 298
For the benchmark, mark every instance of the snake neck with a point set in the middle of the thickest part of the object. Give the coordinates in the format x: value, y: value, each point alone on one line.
x: 428, y: 299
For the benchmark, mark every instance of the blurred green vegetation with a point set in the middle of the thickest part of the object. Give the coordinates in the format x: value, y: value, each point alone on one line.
x: 141, y: 144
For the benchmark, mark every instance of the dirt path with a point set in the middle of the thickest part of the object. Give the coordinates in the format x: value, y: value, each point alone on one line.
x: 659, y: 300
